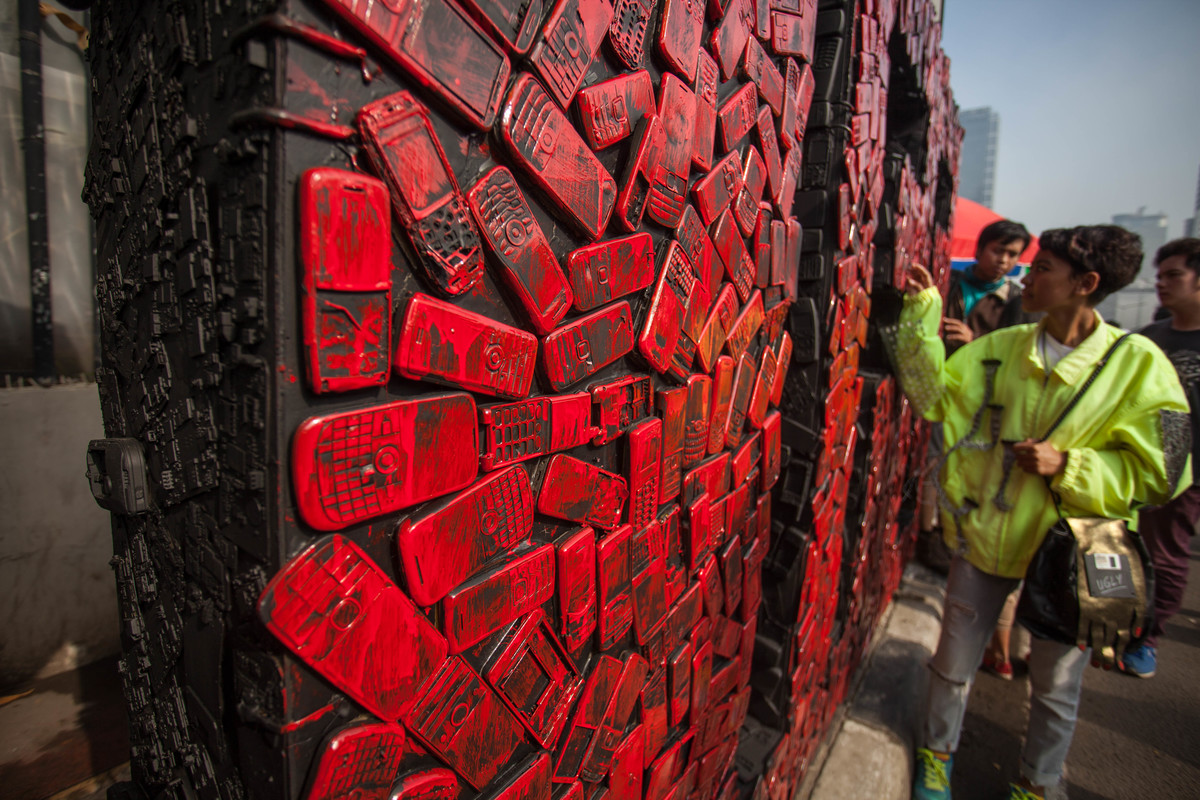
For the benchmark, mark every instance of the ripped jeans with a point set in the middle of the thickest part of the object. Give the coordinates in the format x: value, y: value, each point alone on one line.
x: 973, y: 603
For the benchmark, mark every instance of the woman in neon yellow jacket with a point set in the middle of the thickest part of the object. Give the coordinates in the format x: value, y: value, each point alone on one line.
x: 1125, y: 444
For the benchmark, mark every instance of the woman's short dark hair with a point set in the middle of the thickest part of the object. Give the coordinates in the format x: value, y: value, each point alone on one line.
x: 1110, y: 251
x: 1003, y: 231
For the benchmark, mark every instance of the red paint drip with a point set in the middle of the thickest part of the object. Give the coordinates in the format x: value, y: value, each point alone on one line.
x: 285, y: 119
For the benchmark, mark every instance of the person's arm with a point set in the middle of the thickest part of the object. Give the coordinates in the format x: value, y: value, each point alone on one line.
x: 1145, y: 459
x: 917, y: 352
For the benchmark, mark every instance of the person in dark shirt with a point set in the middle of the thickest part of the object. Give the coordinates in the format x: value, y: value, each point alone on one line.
x: 981, y: 298
x: 1167, y: 529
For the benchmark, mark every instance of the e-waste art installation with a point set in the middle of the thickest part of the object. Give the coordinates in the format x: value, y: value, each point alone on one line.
x: 492, y: 389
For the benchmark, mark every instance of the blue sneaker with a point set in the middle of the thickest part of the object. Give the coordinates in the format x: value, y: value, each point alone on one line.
x: 1140, y: 662
x: 932, y: 781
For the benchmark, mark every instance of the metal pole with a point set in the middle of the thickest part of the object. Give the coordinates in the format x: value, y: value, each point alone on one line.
x: 33, y: 143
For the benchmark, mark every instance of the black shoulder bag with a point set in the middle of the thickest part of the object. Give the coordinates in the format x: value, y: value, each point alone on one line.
x: 1091, y: 581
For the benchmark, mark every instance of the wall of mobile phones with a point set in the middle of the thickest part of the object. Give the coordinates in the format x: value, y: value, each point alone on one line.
x: 494, y: 398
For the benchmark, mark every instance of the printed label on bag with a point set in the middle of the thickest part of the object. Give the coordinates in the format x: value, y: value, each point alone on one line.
x: 1108, y: 575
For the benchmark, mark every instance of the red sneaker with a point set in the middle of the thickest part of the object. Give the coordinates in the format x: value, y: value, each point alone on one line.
x: 1001, y: 669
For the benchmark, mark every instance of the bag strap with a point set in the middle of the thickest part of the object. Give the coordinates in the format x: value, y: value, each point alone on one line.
x: 1074, y: 401
x: 1082, y: 389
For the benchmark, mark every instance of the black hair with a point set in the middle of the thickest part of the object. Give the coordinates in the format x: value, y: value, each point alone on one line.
x: 1188, y: 248
x: 1110, y: 251
x: 1003, y: 231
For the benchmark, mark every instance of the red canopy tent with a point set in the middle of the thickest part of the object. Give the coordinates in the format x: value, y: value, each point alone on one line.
x: 969, y: 219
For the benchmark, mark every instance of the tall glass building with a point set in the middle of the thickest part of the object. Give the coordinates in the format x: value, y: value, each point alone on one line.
x: 981, y: 139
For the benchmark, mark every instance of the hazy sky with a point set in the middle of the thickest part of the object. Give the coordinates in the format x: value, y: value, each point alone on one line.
x: 1099, y: 104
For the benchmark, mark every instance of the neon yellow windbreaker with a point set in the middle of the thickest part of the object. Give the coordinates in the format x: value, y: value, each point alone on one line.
x: 1127, y: 441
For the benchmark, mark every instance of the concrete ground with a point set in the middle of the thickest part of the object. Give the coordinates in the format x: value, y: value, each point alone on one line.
x: 65, y: 737
x: 1135, y: 738
x: 870, y: 756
